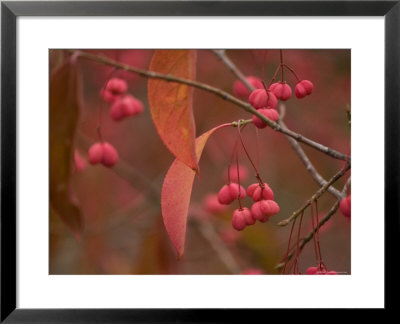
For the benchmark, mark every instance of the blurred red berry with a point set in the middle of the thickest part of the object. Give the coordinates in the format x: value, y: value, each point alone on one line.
x: 212, y: 205
x: 345, y: 206
x: 125, y: 106
x: 240, y: 90
x: 80, y: 163
x: 103, y: 153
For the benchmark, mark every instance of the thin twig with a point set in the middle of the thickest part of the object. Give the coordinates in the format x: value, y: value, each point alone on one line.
x: 309, y: 237
x: 232, y: 67
x: 314, y: 197
x: 220, y: 93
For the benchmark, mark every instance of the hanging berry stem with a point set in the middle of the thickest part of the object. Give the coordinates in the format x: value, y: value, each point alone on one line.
x: 318, y: 242
x: 281, y: 65
x: 247, y: 153
x: 238, y: 177
x: 288, y: 248
x: 296, y: 267
x: 231, y: 160
x: 291, y: 70
x: 317, y: 258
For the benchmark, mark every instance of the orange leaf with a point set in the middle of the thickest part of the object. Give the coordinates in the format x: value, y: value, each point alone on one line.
x: 171, y: 103
x: 65, y: 94
x: 176, y: 192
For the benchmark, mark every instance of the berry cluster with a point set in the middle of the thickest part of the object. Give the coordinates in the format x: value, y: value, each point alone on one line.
x: 265, y: 99
x: 122, y: 105
x: 262, y: 209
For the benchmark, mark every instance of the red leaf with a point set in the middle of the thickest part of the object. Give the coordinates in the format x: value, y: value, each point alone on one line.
x: 65, y: 94
x: 171, y: 103
x: 176, y: 192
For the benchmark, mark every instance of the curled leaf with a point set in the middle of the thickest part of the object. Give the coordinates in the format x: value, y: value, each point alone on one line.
x: 176, y: 192
x: 171, y: 103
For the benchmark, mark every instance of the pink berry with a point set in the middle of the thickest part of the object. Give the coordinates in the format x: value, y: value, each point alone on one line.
x: 110, y: 155
x: 116, y: 86
x: 269, y: 207
x: 248, y: 217
x: 303, y: 88
x: 108, y: 96
x: 263, y: 193
x: 95, y: 153
x: 224, y: 195
x: 233, y: 173
x: 252, y: 271
x: 281, y: 90
x: 345, y: 206
x: 80, y: 163
x: 331, y: 272
x: 312, y: 270
x: 265, y: 219
x: 229, y: 236
x: 212, y: 205
x: 240, y: 90
x: 271, y: 114
x: 234, y: 191
x: 256, y: 211
x: 260, y: 98
x: 124, y: 107
x: 238, y: 220
x: 251, y: 188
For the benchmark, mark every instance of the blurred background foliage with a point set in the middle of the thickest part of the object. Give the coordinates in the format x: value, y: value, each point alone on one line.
x: 123, y: 227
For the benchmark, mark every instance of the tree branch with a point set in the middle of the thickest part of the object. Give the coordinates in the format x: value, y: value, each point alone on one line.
x: 308, y: 238
x: 314, y: 197
x: 220, y: 93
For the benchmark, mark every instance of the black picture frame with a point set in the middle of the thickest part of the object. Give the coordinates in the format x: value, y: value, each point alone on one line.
x: 9, y: 13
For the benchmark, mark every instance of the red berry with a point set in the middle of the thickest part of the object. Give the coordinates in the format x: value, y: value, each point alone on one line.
x: 251, y: 188
x: 240, y: 90
x: 234, y: 191
x: 238, y: 220
x: 80, y: 163
x: 96, y: 153
x: 233, y: 173
x: 263, y: 193
x: 271, y: 114
x: 261, y: 98
x: 312, y: 270
x: 108, y: 96
x: 116, y: 86
x: 212, y: 205
x: 252, y: 271
x: 281, y: 90
x: 331, y: 272
x: 110, y: 155
x: 124, y: 107
x: 248, y: 217
x: 303, y: 88
x: 224, y: 195
x: 256, y: 211
x: 345, y: 206
x: 269, y: 207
